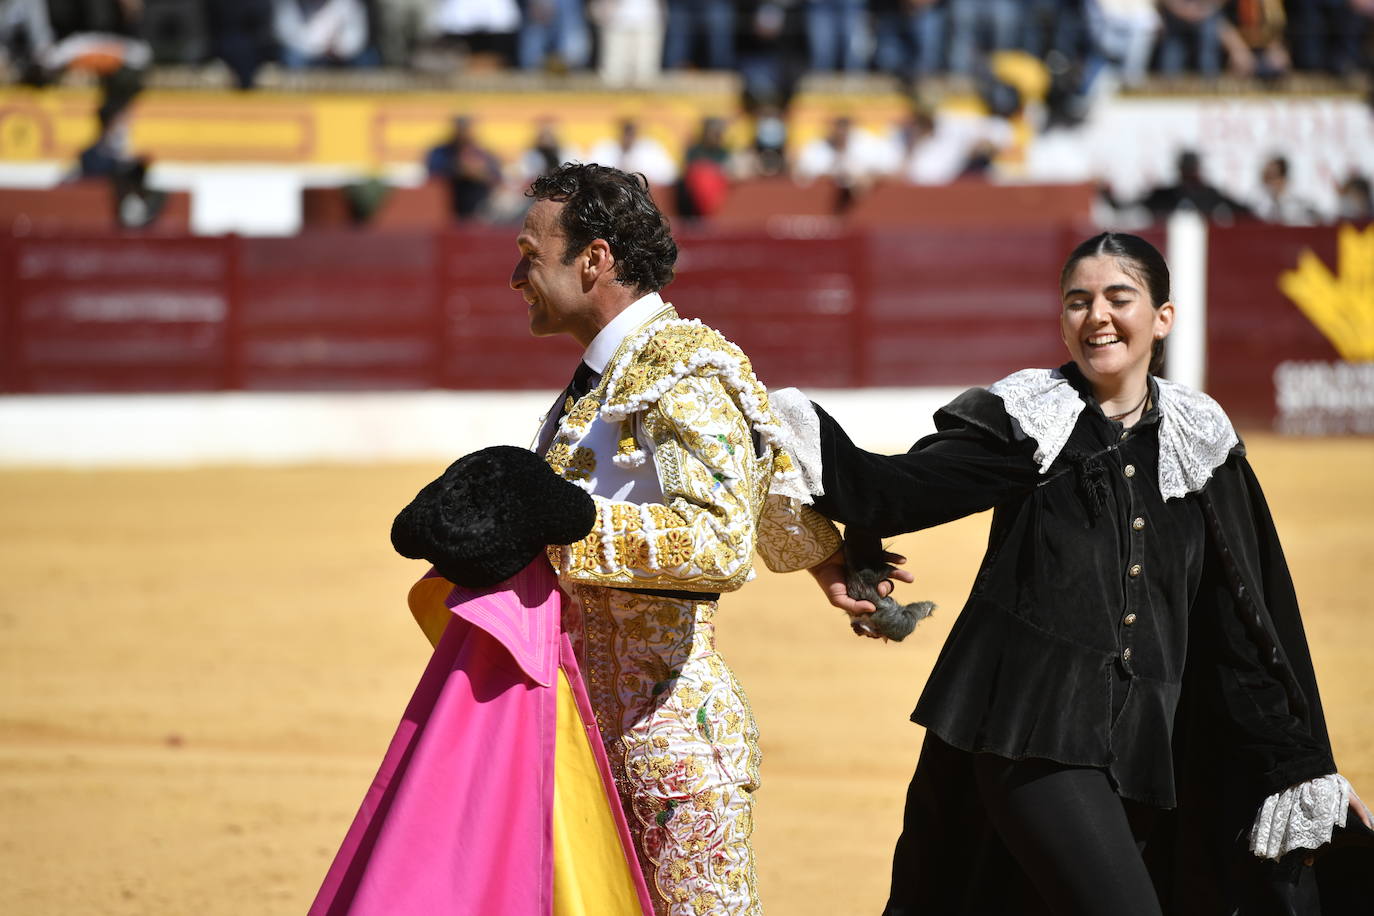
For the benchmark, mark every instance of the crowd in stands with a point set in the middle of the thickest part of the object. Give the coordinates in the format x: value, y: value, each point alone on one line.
x: 769, y: 42
x: 921, y: 149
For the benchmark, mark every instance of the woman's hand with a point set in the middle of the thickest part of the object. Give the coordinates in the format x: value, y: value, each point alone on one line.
x: 1361, y: 809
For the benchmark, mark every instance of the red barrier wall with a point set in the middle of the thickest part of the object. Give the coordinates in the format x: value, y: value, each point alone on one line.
x: 117, y: 314
x: 334, y: 310
x: 1255, y: 329
x: 813, y: 304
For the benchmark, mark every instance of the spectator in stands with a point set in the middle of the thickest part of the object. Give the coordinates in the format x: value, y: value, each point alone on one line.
x: 631, y: 41
x: 25, y: 33
x: 772, y: 51
x: 1329, y: 34
x: 706, y: 171
x: 485, y: 28
x: 1121, y: 36
x: 1253, y: 36
x: 979, y: 26
x: 910, y: 36
x: 93, y: 36
x: 691, y: 21
x: 317, y: 33
x: 241, y: 35
x: 1191, y: 38
x: 766, y: 156
x: 545, y: 155
x: 553, y: 35
x: 109, y: 154
x: 1052, y: 25
x: 836, y: 32
x: 633, y: 152
x: 471, y: 171
x: 401, y: 26
x: 109, y: 157
x: 937, y: 150
x: 852, y: 157
x: 1190, y: 192
x: 1355, y: 199
x: 1278, y: 203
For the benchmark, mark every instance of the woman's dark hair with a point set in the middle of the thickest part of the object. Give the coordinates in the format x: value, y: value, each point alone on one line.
x: 606, y: 203
x: 1142, y: 259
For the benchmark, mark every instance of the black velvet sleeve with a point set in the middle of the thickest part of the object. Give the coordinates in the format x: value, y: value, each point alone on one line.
x: 1265, y: 681
x: 973, y: 462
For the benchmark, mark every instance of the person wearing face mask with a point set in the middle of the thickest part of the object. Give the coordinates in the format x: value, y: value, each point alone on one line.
x: 1124, y: 719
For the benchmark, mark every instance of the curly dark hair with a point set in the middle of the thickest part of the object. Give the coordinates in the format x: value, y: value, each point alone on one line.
x: 606, y: 203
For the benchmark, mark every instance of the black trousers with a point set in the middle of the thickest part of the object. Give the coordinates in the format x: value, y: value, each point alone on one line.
x: 984, y: 834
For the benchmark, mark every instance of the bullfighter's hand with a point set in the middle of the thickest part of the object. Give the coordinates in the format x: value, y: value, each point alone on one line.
x: 830, y: 576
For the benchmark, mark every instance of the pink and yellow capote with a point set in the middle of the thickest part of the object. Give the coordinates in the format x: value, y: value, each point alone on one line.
x: 495, y: 797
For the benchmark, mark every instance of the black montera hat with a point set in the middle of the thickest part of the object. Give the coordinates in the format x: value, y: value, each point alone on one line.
x: 490, y: 514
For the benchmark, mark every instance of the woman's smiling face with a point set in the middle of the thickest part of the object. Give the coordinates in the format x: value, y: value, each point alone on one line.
x: 1109, y: 323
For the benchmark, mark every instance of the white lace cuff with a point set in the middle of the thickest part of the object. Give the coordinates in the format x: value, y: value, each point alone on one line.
x: 800, y: 435
x: 1300, y: 817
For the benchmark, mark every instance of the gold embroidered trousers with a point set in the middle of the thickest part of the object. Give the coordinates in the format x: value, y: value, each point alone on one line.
x: 682, y: 742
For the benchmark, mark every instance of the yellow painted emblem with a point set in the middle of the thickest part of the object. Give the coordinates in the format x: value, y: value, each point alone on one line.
x: 1341, y: 305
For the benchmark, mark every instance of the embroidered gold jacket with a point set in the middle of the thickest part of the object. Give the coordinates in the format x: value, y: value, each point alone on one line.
x: 687, y: 409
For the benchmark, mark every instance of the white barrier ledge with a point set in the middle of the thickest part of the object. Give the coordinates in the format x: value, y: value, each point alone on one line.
x: 181, y: 430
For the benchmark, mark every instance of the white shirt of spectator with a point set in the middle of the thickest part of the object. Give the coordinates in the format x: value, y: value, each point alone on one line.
x: 864, y: 157
x: 629, y: 13
x: 532, y: 164
x: 941, y: 157
x: 336, y: 27
x: 645, y: 155
x: 464, y: 17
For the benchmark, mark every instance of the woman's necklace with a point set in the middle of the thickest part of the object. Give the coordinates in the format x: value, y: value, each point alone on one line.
x: 1139, y: 404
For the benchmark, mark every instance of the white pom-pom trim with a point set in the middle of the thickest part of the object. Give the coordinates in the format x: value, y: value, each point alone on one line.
x: 719, y: 363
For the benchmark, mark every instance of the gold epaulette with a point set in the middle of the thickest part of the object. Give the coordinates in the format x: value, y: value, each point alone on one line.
x: 665, y: 353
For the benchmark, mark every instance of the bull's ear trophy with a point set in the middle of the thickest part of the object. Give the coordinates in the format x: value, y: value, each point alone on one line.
x: 866, y: 566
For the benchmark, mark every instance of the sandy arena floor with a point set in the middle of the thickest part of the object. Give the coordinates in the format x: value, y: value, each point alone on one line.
x: 202, y: 668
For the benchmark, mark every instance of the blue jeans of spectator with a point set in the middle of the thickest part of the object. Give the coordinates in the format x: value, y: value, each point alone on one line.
x: 970, y: 19
x: 910, y: 43
x: 1179, y: 37
x: 688, y: 18
x: 1052, y: 25
x: 293, y: 59
x: 563, y: 32
x: 1326, y: 35
x: 835, y: 30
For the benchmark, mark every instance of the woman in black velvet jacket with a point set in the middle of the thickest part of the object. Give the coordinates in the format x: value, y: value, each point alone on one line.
x: 1124, y: 719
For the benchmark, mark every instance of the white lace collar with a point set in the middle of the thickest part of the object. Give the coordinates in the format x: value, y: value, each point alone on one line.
x: 1195, y: 435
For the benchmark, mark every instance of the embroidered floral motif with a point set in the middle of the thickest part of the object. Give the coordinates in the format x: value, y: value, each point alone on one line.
x: 793, y: 536
x: 626, y: 517
x: 674, y: 548
x: 557, y: 456
x: 583, y: 413
x: 632, y: 550
x: 579, y: 463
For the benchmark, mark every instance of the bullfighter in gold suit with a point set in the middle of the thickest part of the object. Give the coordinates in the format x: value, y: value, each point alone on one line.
x: 667, y: 427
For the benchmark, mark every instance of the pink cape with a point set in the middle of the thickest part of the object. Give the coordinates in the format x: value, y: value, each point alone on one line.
x: 459, y: 817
